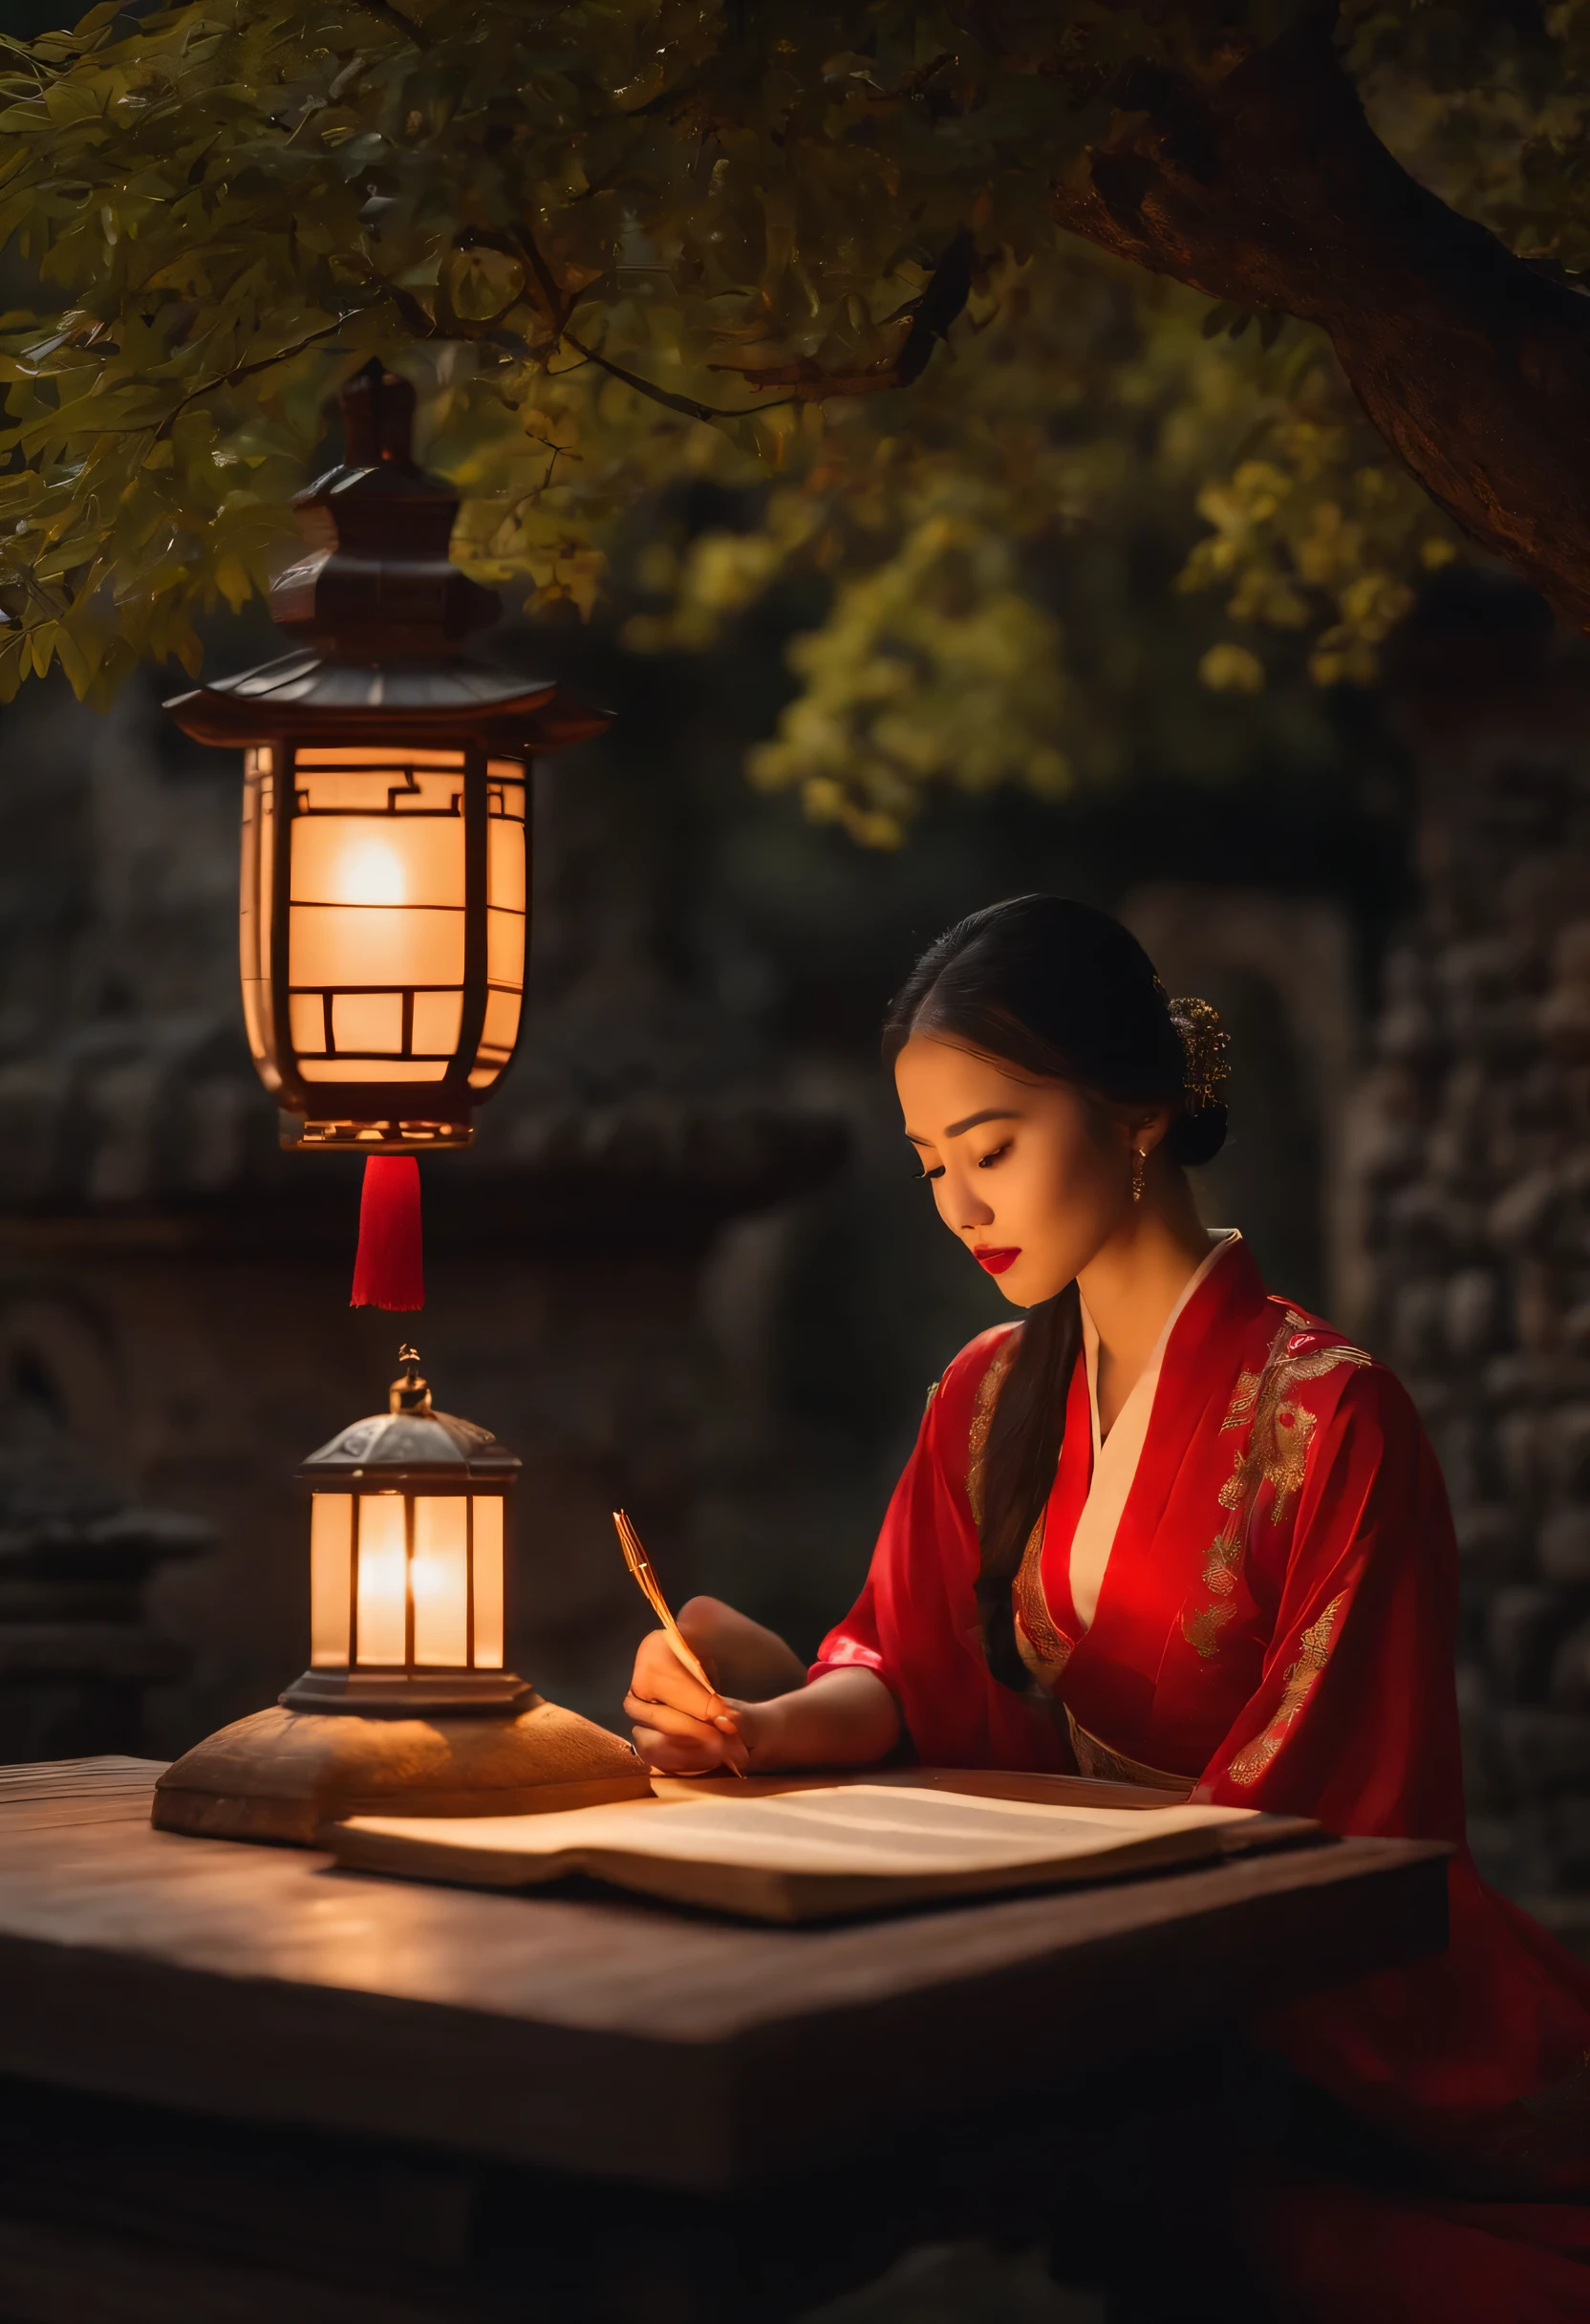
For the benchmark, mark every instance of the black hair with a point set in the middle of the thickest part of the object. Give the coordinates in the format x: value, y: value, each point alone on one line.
x: 1065, y: 992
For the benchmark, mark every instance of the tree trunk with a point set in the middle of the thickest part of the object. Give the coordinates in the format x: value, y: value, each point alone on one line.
x: 1266, y: 187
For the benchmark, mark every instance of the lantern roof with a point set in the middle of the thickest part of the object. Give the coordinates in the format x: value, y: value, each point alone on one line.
x: 355, y: 701
x: 412, y: 1441
x: 378, y: 612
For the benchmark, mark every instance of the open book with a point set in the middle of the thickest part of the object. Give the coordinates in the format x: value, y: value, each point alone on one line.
x: 808, y: 1853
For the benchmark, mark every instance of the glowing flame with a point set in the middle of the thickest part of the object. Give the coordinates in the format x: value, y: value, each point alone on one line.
x: 369, y: 872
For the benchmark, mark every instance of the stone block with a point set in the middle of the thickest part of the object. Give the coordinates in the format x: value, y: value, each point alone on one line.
x: 1418, y: 1325
x: 1429, y: 1221
x: 1508, y: 1033
x: 1538, y: 1306
x: 1568, y: 1844
x: 1432, y: 1398
x: 1492, y: 1543
x: 1545, y: 1751
x: 1527, y: 1376
x: 1565, y: 1450
x: 1484, y: 968
x: 1473, y: 1313
x: 1537, y: 1100
x: 1462, y: 1444
x: 33, y: 1109
x: 1489, y: 1782
x: 1571, y: 954
x: 1524, y: 1218
x: 1407, y: 973
x: 1518, y: 1447
x: 1562, y: 1021
x: 1523, y: 1636
x: 1562, y: 1546
x: 1546, y: 891
x: 1570, y: 1670
x: 1409, y: 1034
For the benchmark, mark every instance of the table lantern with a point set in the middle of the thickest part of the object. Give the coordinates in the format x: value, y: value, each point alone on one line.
x: 384, y: 894
x: 407, y: 1705
x: 408, y: 1522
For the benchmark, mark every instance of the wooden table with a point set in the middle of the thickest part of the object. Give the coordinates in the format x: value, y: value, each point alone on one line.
x: 252, y: 2003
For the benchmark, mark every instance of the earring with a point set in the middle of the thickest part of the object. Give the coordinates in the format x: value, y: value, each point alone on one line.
x: 1139, y: 1170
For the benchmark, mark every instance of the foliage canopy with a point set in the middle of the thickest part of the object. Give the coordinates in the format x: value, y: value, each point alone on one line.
x: 802, y: 255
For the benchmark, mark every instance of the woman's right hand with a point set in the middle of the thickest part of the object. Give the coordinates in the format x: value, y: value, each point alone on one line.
x: 680, y: 1728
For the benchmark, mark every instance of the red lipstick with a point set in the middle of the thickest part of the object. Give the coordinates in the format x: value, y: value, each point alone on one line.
x: 995, y: 1260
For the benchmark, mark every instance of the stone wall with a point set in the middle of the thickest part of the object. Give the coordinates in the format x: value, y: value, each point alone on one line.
x: 1467, y: 1156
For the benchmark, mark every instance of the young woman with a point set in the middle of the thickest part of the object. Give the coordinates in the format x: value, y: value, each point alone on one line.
x: 1172, y: 1529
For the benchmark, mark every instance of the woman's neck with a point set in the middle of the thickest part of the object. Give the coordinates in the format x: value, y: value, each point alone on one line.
x: 1132, y: 1285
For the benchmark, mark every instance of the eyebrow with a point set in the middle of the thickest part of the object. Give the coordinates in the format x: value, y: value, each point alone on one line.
x: 989, y: 1114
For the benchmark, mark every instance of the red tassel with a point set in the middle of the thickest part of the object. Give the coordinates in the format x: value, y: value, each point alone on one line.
x: 389, y: 1271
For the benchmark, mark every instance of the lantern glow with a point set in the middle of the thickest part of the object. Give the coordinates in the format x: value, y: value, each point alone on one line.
x: 407, y: 1538
x: 406, y: 1706
x: 385, y: 887
x: 366, y: 886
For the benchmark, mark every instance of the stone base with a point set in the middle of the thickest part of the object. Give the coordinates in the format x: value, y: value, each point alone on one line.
x: 286, y: 1775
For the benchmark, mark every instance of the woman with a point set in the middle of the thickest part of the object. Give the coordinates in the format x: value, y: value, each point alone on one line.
x: 1172, y: 1529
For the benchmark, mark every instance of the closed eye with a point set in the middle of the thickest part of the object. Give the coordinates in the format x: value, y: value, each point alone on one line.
x: 923, y: 1175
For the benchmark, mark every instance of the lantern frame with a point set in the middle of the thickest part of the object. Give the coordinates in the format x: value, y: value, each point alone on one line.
x: 381, y: 612
x: 412, y: 1452
x: 428, y: 1111
x: 409, y: 1739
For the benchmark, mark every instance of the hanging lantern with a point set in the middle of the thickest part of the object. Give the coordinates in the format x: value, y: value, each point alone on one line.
x: 385, y: 886
x: 407, y: 1705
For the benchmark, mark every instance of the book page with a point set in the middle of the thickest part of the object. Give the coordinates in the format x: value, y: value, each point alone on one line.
x: 857, y: 1829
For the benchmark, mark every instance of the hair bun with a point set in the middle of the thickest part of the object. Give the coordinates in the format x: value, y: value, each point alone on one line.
x: 1195, y: 1138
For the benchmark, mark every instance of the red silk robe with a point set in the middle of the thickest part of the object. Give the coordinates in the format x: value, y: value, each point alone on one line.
x: 1274, y: 1629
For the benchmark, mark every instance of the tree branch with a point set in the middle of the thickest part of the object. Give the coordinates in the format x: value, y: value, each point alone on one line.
x: 245, y: 371
x: 687, y: 405
x: 932, y: 314
x: 396, y: 22
x: 1267, y: 188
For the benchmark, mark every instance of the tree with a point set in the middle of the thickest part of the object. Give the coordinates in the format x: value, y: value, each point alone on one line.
x: 920, y: 295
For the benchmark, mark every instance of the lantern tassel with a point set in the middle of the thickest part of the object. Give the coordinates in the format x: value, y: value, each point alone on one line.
x: 389, y: 1271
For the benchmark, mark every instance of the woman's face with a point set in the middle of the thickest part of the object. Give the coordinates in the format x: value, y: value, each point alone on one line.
x: 1033, y: 1176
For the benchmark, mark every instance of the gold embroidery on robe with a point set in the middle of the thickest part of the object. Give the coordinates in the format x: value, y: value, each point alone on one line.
x: 1301, y: 1678
x: 982, y: 1420
x: 1201, y: 1628
x: 1043, y: 1647
x: 1275, y: 1454
x: 1096, y: 1758
x: 1242, y: 1405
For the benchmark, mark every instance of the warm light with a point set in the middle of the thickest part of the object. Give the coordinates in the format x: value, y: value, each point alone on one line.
x: 259, y: 856
x: 382, y: 1600
x: 331, y: 1580
x: 392, y: 857
x: 487, y: 1530
x: 368, y: 874
x: 438, y: 1576
x: 385, y: 887
x: 408, y: 1526
x: 411, y: 1580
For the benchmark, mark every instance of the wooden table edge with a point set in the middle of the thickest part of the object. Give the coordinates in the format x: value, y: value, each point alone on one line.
x: 735, y: 2110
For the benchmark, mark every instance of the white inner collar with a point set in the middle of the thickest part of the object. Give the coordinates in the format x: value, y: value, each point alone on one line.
x: 1115, y: 1456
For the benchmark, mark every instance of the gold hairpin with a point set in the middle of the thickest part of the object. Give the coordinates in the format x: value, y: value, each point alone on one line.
x: 1206, y: 1047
